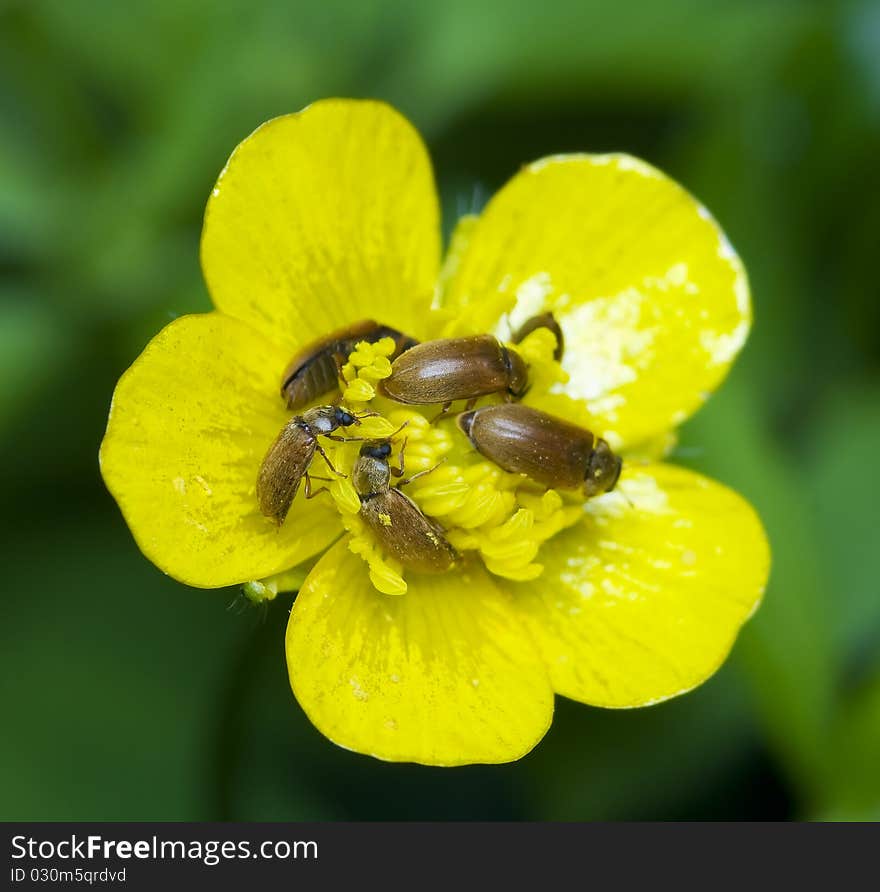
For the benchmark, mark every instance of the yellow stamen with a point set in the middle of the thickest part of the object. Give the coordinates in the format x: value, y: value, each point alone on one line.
x: 366, y: 364
x: 503, y: 518
x: 344, y: 494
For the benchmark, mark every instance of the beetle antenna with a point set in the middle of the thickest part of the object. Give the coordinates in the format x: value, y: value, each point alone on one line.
x: 407, y: 480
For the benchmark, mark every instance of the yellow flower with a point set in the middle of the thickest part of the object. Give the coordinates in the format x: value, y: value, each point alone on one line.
x: 330, y: 216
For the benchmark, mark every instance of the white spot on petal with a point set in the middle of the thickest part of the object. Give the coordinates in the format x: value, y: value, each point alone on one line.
x: 357, y: 691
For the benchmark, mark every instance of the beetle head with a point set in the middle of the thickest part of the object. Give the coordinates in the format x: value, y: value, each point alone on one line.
x: 380, y: 449
x: 603, y: 470
x: 344, y: 418
x: 465, y: 422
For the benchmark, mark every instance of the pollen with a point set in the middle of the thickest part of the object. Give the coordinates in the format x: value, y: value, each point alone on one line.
x: 367, y: 364
x: 486, y: 513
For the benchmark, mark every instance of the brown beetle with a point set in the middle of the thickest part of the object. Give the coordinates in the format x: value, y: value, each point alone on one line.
x: 544, y: 320
x: 396, y: 521
x: 455, y: 369
x: 289, y: 457
x: 550, y: 450
x: 314, y: 370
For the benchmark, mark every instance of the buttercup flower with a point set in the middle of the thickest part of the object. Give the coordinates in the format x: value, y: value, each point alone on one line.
x: 330, y: 216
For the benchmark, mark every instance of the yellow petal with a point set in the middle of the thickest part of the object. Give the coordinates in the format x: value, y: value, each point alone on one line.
x: 443, y: 675
x: 325, y: 217
x: 643, y: 601
x: 653, y: 302
x: 190, y: 423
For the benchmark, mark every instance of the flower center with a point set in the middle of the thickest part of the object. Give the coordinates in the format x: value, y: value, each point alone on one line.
x: 486, y: 512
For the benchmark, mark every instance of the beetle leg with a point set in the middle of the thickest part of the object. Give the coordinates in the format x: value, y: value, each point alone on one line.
x: 327, y: 460
x: 442, y: 413
x: 420, y: 474
x: 345, y: 439
x: 311, y: 493
x: 398, y: 472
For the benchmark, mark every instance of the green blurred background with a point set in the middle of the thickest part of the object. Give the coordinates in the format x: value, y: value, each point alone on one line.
x: 128, y: 696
